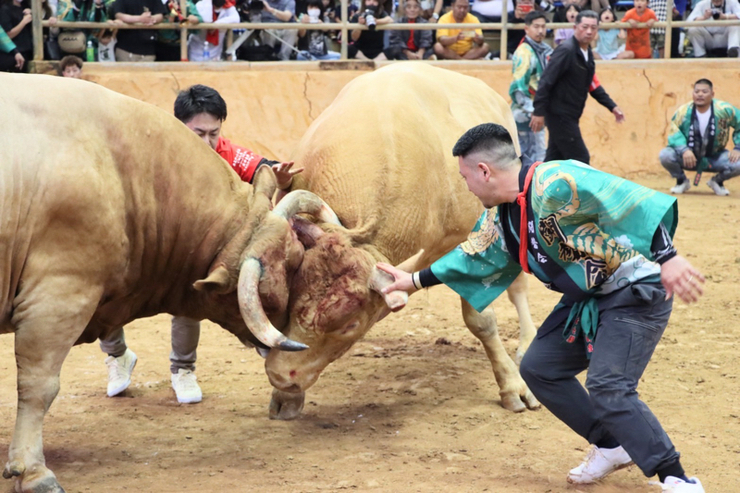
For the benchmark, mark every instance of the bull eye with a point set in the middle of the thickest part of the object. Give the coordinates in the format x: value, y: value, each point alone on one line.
x: 351, y: 326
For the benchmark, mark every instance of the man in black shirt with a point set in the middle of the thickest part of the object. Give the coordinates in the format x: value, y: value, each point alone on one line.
x: 368, y: 44
x: 566, y: 83
x: 137, y: 45
x: 15, y: 19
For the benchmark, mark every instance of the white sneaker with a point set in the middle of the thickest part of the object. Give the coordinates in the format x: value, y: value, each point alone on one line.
x: 718, y: 189
x: 599, y: 463
x: 186, y: 387
x: 681, y: 188
x: 119, y: 372
x: 677, y: 485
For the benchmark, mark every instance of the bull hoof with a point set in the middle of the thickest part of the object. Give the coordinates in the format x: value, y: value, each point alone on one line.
x: 516, y: 403
x: 13, y: 469
x: 46, y: 485
x: 286, y: 405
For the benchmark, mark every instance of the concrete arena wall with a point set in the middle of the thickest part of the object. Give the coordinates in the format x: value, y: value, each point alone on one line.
x: 271, y: 105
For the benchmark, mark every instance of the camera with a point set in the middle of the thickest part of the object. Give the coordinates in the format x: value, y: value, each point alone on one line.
x: 369, y: 16
x: 716, y: 13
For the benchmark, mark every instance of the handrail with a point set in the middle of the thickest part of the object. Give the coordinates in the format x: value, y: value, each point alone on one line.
x: 345, y: 27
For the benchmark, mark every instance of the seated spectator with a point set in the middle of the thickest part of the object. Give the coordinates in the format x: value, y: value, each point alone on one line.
x: 709, y: 39
x: 11, y: 59
x: 607, y: 41
x: 460, y: 44
x: 137, y: 45
x: 207, y: 46
x: 74, y: 41
x: 15, y: 19
x: 282, y: 40
x: 168, y: 40
x: 368, y: 44
x: 638, y: 40
x: 490, y: 10
x: 414, y: 44
x: 313, y: 44
x: 561, y: 34
x: 71, y: 66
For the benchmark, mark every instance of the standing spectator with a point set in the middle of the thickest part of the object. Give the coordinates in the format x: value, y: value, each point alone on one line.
x: 10, y: 58
x: 528, y: 64
x: 279, y: 11
x: 563, y: 33
x: 202, y: 110
x: 414, y: 44
x: 368, y: 44
x: 607, y: 42
x: 207, y: 46
x: 313, y: 44
x: 490, y: 11
x: 460, y: 44
x: 706, y: 39
x: 15, y: 19
x: 569, y: 78
x: 612, y: 313
x: 168, y: 40
x: 698, y: 140
x: 71, y: 66
x: 657, y: 34
x: 74, y: 41
x: 638, y: 40
x: 137, y: 45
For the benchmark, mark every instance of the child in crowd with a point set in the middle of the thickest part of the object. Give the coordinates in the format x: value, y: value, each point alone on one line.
x: 607, y: 43
x: 313, y: 44
x: 570, y: 14
x: 71, y: 66
x: 638, y: 40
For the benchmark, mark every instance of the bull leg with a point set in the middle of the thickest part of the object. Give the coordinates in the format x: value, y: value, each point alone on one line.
x: 515, y: 396
x: 286, y: 405
x: 517, y: 293
x: 44, y: 335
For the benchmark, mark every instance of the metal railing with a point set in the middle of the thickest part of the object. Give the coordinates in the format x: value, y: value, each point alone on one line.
x: 345, y: 27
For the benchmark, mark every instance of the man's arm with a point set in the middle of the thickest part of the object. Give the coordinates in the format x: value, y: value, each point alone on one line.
x: 281, y: 15
x: 560, y: 61
x: 599, y: 94
x: 676, y: 137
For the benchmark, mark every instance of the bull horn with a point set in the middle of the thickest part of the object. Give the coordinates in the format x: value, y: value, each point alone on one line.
x: 308, y: 202
x: 254, y: 315
x: 380, y: 279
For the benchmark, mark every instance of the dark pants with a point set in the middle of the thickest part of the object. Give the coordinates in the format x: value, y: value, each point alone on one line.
x: 631, y: 322
x: 398, y: 54
x: 565, y: 140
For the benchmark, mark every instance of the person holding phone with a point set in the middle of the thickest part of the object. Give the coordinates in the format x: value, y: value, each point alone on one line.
x: 460, y: 44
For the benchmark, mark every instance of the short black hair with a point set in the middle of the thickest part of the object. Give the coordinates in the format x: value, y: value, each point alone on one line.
x: 68, y: 61
x: 489, y: 138
x: 589, y: 14
x: 533, y: 16
x: 199, y: 99
x: 704, y: 81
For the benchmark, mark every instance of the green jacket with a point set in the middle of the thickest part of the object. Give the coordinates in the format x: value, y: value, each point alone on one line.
x: 6, y: 44
x: 172, y: 37
x: 526, y: 71
x: 726, y: 115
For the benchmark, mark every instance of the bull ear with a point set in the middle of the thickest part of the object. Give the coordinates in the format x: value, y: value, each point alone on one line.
x: 218, y: 281
x: 264, y: 181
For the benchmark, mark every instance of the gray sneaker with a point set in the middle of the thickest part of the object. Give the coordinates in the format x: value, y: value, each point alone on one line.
x: 119, y: 372
x: 186, y: 387
x: 718, y: 189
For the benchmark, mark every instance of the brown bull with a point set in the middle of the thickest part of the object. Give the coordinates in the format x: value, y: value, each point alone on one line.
x: 380, y: 155
x: 113, y: 210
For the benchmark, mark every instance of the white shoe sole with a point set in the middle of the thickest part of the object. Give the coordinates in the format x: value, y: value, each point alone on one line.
x: 572, y: 480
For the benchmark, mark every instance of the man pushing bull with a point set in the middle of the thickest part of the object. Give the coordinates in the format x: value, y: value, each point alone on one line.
x: 202, y: 110
x: 606, y: 244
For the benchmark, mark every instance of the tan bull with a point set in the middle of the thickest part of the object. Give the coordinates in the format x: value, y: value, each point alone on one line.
x: 113, y: 210
x: 381, y: 156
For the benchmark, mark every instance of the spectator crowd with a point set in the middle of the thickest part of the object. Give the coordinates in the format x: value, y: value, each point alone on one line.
x: 640, y: 40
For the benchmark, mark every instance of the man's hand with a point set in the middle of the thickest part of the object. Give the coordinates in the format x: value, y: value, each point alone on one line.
x: 689, y: 160
x: 401, y: 279
x: 680, y: 277
x: 27, y: 17
x: 411, y: 55
x: 193, y: 20
x: 284, y: 174
x: 537, y: 123
x: 361, y: 20
x: 707, y: 15
x: 19, y: 61
x: 618, y: 114
x: 478, y: 39
x: 734, y: 155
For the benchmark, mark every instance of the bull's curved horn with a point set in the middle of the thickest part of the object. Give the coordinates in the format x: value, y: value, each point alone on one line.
x: 254, y: 315
x: 308, y: 202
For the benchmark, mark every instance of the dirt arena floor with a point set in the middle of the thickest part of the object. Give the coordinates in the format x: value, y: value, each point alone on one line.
x: 411, y: 408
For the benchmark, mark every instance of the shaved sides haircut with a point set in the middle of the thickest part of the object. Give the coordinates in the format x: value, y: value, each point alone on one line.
x: 490, y: 141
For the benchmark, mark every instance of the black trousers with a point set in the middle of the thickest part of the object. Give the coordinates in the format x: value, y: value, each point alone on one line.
x: 565, y: 140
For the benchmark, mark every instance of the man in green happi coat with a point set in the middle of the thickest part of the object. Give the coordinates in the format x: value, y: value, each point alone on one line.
x: 606, y: 244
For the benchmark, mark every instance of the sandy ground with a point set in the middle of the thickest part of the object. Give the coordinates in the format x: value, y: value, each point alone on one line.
x: 413, y: 407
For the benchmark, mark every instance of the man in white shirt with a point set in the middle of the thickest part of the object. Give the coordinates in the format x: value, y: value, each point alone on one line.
x: 705, y: 39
